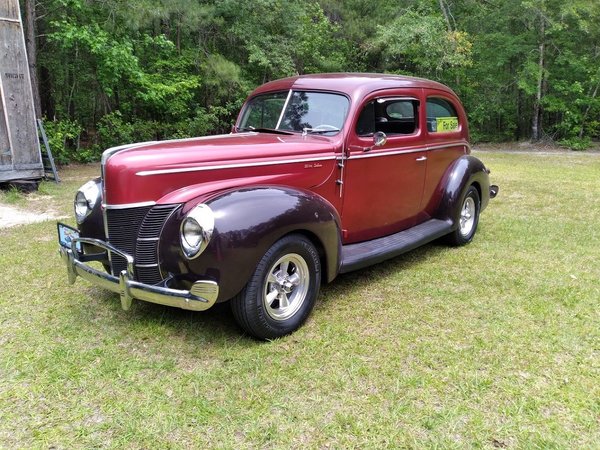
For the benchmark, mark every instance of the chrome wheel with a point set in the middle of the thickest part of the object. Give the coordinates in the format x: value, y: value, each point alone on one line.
x: 282, y: 291
x: 467, y: 217
x: 286, y: 286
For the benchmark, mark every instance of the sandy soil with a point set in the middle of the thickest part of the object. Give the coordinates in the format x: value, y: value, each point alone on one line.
x: 11, y: 216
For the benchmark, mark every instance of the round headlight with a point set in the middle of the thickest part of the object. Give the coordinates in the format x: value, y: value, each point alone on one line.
x: 191, y: 232
x: 85, y: 200
x: 81, y: 207
x: 196, y: 230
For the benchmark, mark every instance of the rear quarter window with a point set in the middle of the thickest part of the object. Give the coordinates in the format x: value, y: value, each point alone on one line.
x: 441, y: 116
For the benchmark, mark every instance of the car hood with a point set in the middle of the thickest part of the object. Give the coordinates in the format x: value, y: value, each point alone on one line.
x: 179, y: 170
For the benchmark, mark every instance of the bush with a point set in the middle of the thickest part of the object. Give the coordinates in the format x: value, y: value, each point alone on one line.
x: 576, y: 143
x: 63, y: 136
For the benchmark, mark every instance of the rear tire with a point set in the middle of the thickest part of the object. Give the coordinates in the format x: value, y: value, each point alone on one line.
x: 467, y: 220
x: 282, y: 291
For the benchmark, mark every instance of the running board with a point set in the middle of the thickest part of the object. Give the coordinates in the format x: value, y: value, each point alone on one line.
x: 363, y: 254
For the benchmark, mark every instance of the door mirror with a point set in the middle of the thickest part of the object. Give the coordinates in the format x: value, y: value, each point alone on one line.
x: 379, y: 139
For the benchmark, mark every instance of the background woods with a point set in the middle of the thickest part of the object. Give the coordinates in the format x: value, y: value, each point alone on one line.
x: 109, y: 71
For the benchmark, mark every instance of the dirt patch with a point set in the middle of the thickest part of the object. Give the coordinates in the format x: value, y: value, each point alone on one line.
x: 11, y: 216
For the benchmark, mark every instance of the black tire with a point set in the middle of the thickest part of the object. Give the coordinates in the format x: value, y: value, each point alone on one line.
x: 282, y: 291
x: 467, y: 219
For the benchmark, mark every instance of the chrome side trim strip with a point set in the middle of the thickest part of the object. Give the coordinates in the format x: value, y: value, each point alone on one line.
x: 145, y: 173
x: 412, y: 150
x: 391, y: 99
x: 128, y: 205
x: 450, y: 144
x: 392, y: 153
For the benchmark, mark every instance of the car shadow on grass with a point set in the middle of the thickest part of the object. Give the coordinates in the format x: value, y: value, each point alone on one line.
x: 348, y: 283
x: 217, y: 324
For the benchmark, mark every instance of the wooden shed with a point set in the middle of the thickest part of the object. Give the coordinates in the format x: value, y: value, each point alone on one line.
x: 20, y: 156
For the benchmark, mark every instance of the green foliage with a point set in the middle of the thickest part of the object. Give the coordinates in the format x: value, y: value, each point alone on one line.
x: 155, y: 69
x: 419, y: 42
x: 63, y: 136
x: 575, y: 143
x: 114, y: 131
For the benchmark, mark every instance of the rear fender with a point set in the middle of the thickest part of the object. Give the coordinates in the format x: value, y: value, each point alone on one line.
x: 464, y: 172
x: 248, y: 222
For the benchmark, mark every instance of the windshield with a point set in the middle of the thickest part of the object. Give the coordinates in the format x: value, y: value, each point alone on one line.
x: 309, y: 112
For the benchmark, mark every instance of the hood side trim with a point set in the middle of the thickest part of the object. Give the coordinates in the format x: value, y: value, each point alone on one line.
x: 145, y: 173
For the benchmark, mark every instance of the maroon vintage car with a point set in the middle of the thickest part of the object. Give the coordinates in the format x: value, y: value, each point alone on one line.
x: 321, y: 175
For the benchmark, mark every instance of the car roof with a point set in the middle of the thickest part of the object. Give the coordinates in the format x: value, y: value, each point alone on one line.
x: 355, y: 85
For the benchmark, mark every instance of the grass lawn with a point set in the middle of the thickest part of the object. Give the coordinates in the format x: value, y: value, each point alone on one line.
x: 496, y: 344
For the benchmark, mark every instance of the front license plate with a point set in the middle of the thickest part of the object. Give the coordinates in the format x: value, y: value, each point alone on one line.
x: 66, y: 234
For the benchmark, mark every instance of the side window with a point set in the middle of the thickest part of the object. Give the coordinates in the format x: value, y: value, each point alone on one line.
x: 441, y: 116
x: 392, y: 116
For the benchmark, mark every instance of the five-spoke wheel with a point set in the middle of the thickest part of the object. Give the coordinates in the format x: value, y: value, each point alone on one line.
x: 282, y: 291
x: 286, y: 287
x: 468, y: 218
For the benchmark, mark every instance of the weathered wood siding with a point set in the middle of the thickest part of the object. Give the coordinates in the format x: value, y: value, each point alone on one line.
x: 20, y: 155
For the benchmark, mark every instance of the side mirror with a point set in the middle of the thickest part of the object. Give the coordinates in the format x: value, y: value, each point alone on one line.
x: 379, y: 139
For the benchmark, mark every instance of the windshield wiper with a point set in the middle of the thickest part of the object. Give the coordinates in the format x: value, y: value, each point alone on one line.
x: 265, y: 130
x: 329, y: 129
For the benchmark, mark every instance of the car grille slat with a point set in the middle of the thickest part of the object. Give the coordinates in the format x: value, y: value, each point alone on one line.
x: 123, y: 226
x: 136, y: 231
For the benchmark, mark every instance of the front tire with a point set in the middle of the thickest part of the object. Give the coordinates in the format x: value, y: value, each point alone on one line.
x: 468, y: 219
x: 282, y: 291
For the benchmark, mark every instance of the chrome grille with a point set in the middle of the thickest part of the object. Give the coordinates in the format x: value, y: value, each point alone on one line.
x: 136, y: 231
x: 146, y: 250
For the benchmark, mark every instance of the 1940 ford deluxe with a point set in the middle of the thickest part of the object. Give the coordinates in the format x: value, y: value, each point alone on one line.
x: 321, y: 175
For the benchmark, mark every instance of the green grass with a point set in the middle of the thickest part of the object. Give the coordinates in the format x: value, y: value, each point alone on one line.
x: 11, y: 196
x: 496, y: 344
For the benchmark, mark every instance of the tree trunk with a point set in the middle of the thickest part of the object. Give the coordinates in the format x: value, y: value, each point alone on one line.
x: 536, y: 124
x: 31, y: 46
x: 446, y: 16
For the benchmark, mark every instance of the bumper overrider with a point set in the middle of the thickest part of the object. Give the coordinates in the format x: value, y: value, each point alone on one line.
x: 200, y: 297
x: 494, y: 191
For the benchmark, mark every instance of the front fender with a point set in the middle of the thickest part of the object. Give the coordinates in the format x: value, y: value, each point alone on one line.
x: 464, y: 172
x: 248, y: 222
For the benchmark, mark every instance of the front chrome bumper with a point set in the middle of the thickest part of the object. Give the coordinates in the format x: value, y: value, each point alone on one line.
x: 200, y: 297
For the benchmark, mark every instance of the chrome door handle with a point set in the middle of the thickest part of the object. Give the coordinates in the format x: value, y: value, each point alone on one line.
x: 422, y: 158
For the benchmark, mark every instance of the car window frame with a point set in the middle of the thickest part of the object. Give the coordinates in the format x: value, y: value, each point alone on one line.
x: 457, y: 110
x: 389, y: 97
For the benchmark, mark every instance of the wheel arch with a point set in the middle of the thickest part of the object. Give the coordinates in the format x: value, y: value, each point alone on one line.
x: 327, y: 273
x: 466, y: 171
